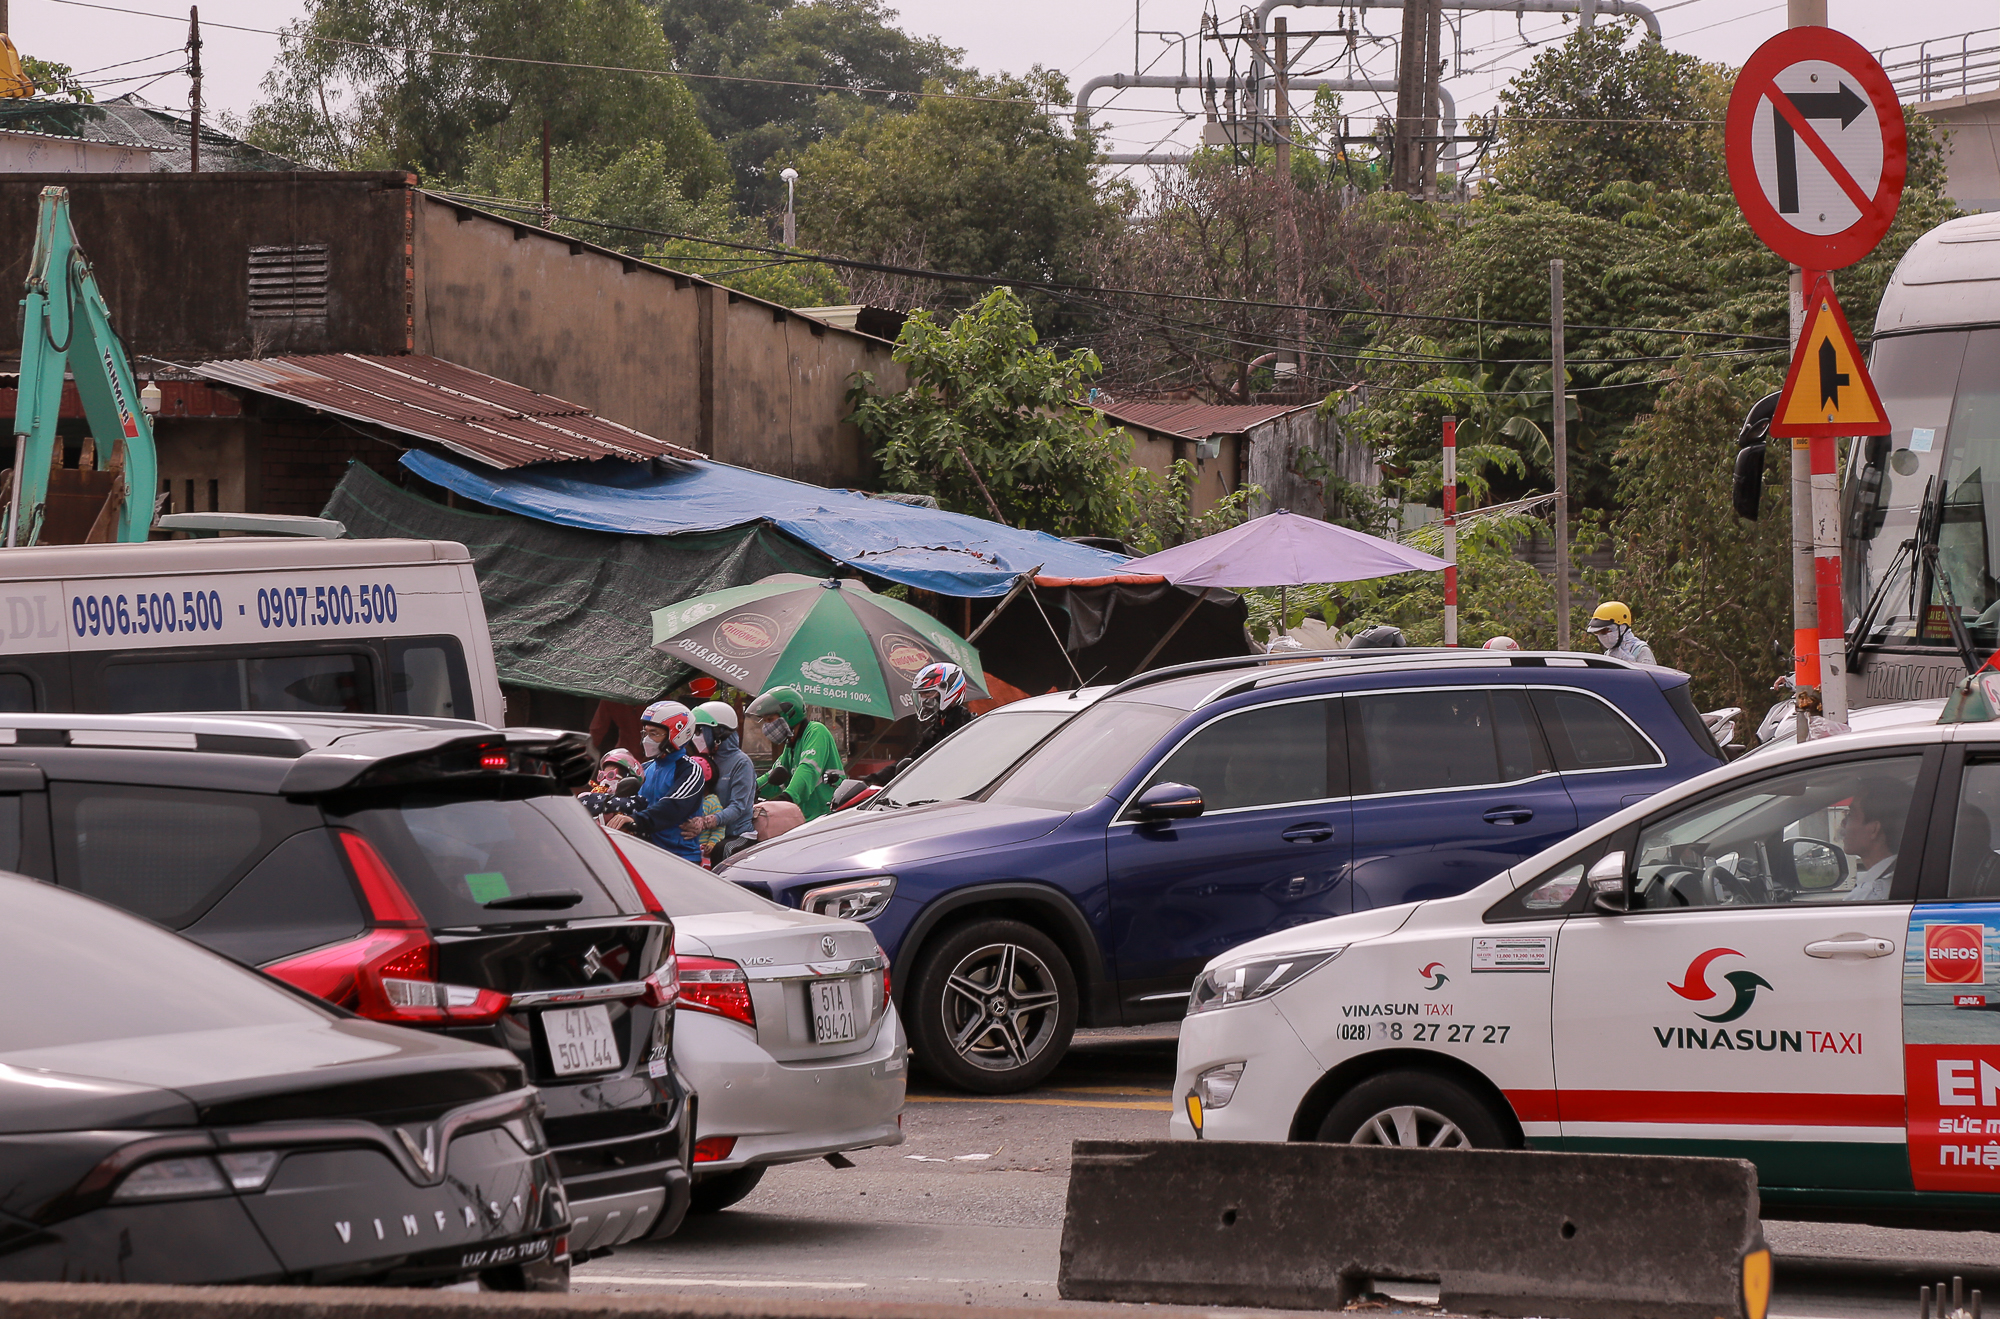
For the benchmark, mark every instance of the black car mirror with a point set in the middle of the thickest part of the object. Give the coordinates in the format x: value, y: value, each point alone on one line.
x: 1817, y: 864
x: 1609, y: 890
x: 627, y: 787
x: 1167, y: 801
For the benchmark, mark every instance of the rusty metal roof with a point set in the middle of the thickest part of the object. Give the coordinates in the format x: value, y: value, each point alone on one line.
x: 1198, y: 421
x: 468, y: 412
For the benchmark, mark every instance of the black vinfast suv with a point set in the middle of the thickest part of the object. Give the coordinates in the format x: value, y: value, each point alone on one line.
x: 427, y: 873
x: 168, y: 1116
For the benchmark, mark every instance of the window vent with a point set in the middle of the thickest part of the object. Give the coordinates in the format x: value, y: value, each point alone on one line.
x: 289, y: 283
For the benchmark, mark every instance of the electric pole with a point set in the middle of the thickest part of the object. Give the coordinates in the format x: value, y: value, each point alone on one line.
x: 1433, y: 70
x: 194, y: 89
x: 1284, y: 115
x: 1559, y: 432
x: 1410, y: 60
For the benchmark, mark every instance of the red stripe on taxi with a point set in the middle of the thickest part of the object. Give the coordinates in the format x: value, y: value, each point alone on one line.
x: 1723, y: 1107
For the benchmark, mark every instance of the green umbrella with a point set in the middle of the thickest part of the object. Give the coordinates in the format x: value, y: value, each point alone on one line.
x: 838, y: 642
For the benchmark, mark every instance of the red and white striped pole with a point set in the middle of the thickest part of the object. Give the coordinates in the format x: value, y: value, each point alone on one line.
x: 1831, y: 636
x: 1451, y: 531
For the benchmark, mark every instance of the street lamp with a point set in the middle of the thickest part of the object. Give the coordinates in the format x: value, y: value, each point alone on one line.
x: 790, y: 176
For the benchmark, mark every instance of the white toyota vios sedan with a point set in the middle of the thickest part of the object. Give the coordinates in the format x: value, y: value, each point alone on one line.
x: 1786, y: 960
x: 785, y: 1029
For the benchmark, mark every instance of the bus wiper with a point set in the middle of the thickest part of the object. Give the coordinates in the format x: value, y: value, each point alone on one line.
x: 1959, y: 636
x: 1866, y: 619
x: 553, y: 900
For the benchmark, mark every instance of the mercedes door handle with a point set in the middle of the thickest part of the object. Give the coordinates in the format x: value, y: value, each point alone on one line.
x: 1308, y: 833
x: 1851, y: 945
x: 1509, y: 815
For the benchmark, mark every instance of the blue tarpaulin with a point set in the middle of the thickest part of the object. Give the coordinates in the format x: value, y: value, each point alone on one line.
x: 950, y: 553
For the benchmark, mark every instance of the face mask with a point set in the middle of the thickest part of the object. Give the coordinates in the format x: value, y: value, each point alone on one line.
x: 777, y: 732
x: 1606, y: 639
x: 651, y: 746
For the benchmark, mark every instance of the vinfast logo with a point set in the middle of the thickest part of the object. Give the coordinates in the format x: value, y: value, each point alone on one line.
x: 1954, y: 954
x: 1695, y: 988
x: 1436, y: 972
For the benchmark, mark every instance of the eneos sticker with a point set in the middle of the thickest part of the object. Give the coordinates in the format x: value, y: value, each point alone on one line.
x: 1954, y: 954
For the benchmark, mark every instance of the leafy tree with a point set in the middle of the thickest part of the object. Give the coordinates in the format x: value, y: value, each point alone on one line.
x: 1160, y: 511
x: 351, y: 88
x: 991, y: 424
x: 640, y: 189
x: 57, y: 80
x: 990, y: 186
x: 1599, y: 108
x: 836, y: 43
x: 1711, y: 592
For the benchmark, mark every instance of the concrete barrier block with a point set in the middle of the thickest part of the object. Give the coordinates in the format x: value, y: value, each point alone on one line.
x: 1505, y: 1232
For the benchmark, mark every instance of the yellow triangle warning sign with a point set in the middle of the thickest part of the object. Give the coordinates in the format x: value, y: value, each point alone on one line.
x: 1828, y: 391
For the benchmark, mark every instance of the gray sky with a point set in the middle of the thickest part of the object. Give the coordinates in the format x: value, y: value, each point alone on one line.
x: 1084, y: 38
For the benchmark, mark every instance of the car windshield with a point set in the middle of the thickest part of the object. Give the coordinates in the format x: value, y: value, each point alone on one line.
x: 684, y: 888
x: 80, y: 967
x: 966, y: 763
x: 1087, y: 756
x: 456, y: 854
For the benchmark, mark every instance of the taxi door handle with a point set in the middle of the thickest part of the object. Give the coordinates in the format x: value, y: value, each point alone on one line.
x: 1851, y: 945
x: 1508, y: 815
x: 1307, y: 833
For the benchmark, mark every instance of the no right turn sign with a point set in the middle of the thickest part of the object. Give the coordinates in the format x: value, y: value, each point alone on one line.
x: 1816, y: 147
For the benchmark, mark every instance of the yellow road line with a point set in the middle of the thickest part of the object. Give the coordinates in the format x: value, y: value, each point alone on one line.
x: 1108, y: 1090
x: 1142, y: 1105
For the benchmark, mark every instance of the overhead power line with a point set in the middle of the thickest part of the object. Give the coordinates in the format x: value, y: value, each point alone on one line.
x: 998, y: 281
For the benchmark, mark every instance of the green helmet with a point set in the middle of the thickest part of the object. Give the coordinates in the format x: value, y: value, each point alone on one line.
x: 715, y: 714
x: 784, y: 702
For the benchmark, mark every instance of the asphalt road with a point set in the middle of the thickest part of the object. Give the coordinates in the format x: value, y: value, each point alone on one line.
x: 969, y: 1210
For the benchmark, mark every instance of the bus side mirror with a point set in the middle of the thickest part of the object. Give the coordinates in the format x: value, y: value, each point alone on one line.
x: 1748, y: 493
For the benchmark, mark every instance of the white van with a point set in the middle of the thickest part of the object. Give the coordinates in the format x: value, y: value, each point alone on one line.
x: 246, y: 623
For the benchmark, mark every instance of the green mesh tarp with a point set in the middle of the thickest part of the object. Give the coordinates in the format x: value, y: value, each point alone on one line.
x: 570, y: 610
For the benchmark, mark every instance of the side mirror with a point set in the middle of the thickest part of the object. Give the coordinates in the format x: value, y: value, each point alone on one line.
x: 1609, y: 893
x: 1817, y: 865
x: 627, y: 787
x: 1167, y: 801
x: 1748, y: 494
x: 903, y: 764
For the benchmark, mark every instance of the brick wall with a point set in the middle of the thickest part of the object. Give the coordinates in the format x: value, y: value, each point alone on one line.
x: 301, y: 459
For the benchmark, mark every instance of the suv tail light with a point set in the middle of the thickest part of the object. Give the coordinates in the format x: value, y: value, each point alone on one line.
x: 714, y: 1149
x: 663, y: 987
x: 388, y: 973
x: 709, y: 984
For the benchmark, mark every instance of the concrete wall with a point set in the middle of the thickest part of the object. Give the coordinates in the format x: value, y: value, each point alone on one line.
x: 1971, y: 127
x: 172, y: 255
x: 40, y: 153
x: 1274, y: 450
x: 1216, y: 478
x: 685, y: 361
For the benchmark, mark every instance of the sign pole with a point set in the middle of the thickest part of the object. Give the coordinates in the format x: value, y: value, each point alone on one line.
x: 1805, y: 604
x: 1832, y: 631
x: 1805, y: 597
x: 1451, y: 531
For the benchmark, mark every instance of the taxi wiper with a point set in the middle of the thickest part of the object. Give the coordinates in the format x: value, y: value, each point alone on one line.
x: 553, y: 900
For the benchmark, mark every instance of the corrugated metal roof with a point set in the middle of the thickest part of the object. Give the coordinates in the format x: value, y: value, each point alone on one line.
x: 468, y: 412
x: 128, y: 121
x: 1198, y: 421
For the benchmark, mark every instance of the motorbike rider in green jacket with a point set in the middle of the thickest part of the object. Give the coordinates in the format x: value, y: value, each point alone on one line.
x: 806, y: 752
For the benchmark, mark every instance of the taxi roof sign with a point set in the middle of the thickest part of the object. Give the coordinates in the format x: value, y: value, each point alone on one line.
x: 1828, y: 391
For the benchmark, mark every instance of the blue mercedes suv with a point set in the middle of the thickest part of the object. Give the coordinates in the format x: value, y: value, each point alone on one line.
x: 1192, y: 808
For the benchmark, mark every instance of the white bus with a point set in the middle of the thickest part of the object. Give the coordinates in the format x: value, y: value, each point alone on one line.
x: 1920, y: 534
x: 246, y: 623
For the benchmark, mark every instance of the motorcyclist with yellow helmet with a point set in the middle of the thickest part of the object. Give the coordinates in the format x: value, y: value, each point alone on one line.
x: 1611, y: 624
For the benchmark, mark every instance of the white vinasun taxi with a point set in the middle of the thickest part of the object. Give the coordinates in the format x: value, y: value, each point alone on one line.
x: 1784, y: 960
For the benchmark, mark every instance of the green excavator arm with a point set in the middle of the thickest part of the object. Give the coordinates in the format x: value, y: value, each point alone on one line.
x: 65, y: 324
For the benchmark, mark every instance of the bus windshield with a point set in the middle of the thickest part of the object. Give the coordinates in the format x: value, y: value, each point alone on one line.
x: 1925, y: 484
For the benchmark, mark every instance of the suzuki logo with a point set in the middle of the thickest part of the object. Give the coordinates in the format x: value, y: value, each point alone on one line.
x: 1694, y: 985
x: 827, y: 945
x: 593, y: 961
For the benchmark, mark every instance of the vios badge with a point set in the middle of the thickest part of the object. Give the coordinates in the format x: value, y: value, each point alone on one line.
x: 1954, y: 954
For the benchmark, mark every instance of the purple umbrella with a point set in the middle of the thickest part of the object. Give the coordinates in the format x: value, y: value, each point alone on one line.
x: 1280, y: 549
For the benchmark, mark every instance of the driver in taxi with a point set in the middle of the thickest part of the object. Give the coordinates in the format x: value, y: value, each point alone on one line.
x: 1873, y: 833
